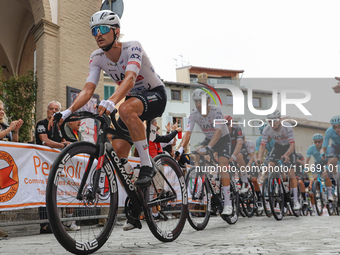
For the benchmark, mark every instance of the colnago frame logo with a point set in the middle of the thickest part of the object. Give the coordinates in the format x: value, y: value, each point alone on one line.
x: 238, y: 103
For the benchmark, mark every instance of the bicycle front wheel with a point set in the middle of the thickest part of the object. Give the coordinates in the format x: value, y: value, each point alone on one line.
x: 318, y: 197
x: 199, y: 199
x: 248, y: 202
x: 276, y: 198
x: 166, y: 200
x: 265, y: 198
x: 69, y: 202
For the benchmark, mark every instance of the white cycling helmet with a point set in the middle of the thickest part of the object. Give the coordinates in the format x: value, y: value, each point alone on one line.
x: 105, y: 17
x: 275, y: 115
x: 197, y: 94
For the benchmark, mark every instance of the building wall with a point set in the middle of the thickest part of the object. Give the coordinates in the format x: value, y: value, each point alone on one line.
x: 59, y: 34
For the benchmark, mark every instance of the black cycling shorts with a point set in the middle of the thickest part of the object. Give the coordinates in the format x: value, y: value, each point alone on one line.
x: 278, y: 151
x: 154, y: 102
x: 222, y: 147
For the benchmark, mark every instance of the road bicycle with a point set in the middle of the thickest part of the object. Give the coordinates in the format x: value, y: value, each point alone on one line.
x: 321, y: 195
x: 206, y: 195
x: 307, y: 208
x: 280, y: 195
x: 83, y: 179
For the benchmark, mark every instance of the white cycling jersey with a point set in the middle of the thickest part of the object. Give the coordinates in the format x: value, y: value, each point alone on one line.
x: 250, y: 146
x: 283, y: 137
x: 132, y: 58
x: 207, y: 124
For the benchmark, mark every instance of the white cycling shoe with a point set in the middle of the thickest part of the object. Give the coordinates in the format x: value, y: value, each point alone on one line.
x: 227, y: 210
x: 330, y: 197
x: 296, y: 206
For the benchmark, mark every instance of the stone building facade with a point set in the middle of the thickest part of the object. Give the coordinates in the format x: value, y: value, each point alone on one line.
x: 51, y: 37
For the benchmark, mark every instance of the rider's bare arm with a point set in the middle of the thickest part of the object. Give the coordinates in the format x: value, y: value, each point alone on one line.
x: 261, y: 151
x: 238, y: 147
x: 216, y: 137
x: 288, y: 152
x: 83, y: 97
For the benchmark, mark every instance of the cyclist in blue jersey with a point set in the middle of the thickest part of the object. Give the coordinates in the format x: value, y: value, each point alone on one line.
x: 314, y: 150
x: 332, y: 133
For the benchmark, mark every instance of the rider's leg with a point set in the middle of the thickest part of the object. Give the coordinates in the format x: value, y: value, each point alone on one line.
x: 243, y: 173
x: 302, y: 189
x: 293, y: 183
x: 332, y: 164
x: 225, y: 185
x: 129, y: 112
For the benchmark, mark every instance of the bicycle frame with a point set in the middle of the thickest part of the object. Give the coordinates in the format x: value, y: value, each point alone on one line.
x: 114, y: 166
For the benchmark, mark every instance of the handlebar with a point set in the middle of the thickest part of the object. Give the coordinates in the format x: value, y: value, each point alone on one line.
x: 104, y: 119
x: 210, y: 153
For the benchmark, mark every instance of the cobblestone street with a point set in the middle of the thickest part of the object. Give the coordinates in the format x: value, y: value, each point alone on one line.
x: 258, y: 235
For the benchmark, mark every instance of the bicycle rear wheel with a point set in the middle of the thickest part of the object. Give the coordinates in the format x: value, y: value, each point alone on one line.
x: 168, y: 198
x: 199, y: 199
x: 265, y: 198
x: 63, y: 205
x: 276, y: 198
x: 318, y: 197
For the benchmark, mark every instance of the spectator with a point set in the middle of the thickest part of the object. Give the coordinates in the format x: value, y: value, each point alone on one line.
x: 6, y: 130
x: 53, y: 140
x: 168, y: 147
x: 154, y: 146
x: 72, y: 130
x: 337, y: 87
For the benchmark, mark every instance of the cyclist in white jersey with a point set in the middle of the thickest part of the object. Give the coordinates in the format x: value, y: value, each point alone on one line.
x: 217, y: 139
x: 284, y: 148
x: 129, y: 66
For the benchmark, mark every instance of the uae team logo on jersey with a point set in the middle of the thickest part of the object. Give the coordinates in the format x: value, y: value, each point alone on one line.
x: 9, y: 178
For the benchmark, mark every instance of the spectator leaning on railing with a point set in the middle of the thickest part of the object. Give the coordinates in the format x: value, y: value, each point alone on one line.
x: 53, y: 140
x: 6, y: 130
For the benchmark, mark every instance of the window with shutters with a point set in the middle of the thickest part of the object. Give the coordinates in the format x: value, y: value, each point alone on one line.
x: 108, y: 91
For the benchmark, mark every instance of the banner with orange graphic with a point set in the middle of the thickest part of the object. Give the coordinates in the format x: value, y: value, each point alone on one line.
x: 24, y: 170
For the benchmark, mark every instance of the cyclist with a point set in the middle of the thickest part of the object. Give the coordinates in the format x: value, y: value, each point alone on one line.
x: 332, y: 133
x: 319, y: 163
x: 238, y: 150
x: 216, y: 138
x: 145, y: 97
x: 269, y: 146
x: 284, y: 148
x: 299, y: 172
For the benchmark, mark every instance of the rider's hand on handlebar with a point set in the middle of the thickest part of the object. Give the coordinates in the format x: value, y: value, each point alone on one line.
x: 232, y: 158
x: 59, y: 117
x: 204, y: 150
x: 323, y: 156
x: 106, y: 106
x: 285, y: 158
